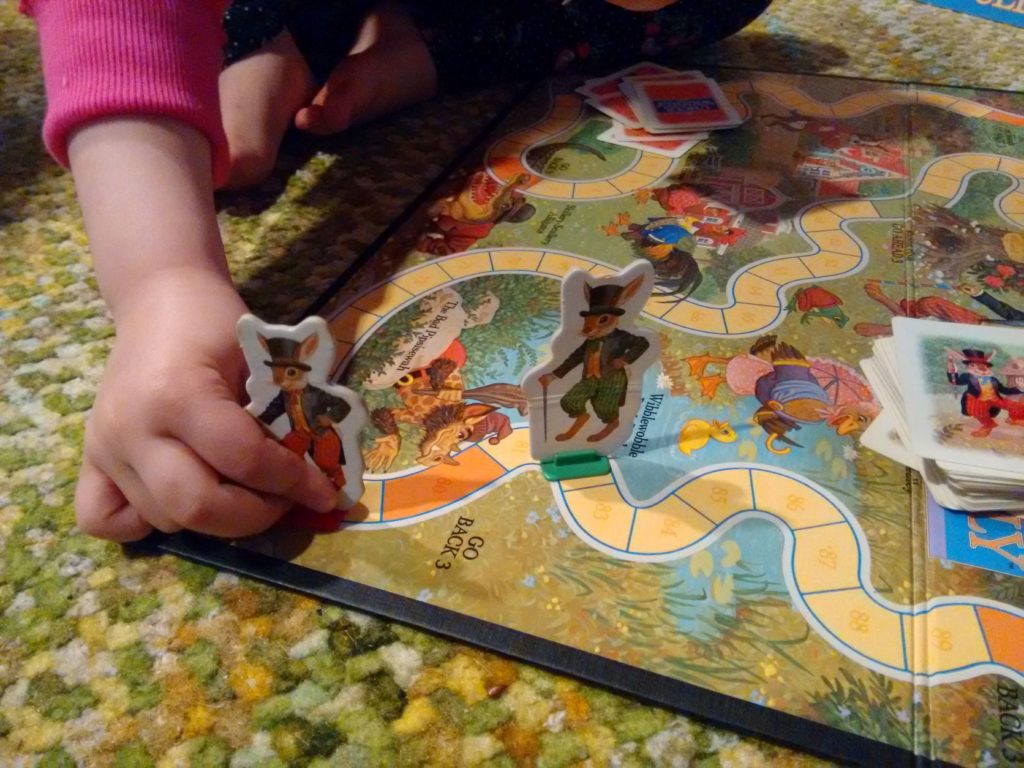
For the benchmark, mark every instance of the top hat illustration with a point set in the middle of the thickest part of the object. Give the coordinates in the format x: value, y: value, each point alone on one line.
x: 604, y: 300
x: 976, y: 357
x: 284, y: 353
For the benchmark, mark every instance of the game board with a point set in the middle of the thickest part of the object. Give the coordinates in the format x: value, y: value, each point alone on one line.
x: 773, y: 579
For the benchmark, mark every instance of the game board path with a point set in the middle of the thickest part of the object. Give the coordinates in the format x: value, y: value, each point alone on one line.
x: 826, y: 555
x: 755, y: 294
x: 828, y: 561
x: 782, y: 91
x: 506, y: 158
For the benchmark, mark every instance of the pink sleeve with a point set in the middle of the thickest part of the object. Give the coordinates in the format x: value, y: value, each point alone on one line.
x: 131, y: 57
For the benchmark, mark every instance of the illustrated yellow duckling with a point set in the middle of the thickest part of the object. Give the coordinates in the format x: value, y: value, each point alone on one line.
x: 696, y: 432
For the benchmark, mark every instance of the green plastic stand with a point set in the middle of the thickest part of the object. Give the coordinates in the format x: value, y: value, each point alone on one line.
x: 570, y: 465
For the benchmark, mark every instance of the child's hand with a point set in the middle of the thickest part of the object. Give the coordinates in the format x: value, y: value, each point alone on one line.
x: 167, y: 445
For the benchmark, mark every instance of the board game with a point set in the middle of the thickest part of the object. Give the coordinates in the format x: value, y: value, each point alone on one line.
x: 765, y: 572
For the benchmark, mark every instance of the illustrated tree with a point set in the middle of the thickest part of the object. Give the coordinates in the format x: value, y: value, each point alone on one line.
x: 950, y: 245
x: 941, y: 133
x: 528, y: 310
x: 978, y: 203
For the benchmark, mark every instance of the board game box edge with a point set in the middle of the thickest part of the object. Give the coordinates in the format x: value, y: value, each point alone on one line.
x: 446, y: 172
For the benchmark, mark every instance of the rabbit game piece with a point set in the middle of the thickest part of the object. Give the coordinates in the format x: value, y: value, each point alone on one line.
x: 595, y: 372
x: 295, y: 403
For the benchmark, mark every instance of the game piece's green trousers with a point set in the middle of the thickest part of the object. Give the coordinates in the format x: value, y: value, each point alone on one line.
x: 476, y: 42
x: 604, y: 393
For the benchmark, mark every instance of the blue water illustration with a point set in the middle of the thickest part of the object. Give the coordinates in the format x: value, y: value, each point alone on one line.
x: 651, y: 460
x: 745, y: 563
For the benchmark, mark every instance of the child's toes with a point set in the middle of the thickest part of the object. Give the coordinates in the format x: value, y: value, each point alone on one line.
x: 331, y: 116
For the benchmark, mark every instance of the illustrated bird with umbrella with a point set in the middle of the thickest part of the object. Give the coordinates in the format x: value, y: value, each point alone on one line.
x: 791, y: 389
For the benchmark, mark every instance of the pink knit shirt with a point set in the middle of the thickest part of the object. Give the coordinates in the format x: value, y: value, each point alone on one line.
x: 103, y: 58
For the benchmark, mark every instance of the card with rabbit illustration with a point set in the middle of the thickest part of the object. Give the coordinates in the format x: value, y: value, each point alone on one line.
x: 963, y: 388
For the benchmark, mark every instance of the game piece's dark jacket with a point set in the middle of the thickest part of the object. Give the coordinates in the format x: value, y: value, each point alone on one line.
x: 313, y: 403
x: 974, y: 390
x: 616, y: 345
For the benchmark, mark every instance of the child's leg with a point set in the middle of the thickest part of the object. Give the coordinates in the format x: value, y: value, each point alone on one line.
x: 475, y: 43
x: 388, y: 67
x: 326, y: 63
x: 402, y: 52
x: 278, y: 54
x: 259, y: 96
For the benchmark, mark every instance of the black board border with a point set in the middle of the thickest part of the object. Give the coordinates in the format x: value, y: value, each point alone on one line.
x: 649, y: 687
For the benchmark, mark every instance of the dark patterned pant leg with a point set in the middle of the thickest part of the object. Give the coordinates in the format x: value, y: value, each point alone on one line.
x: 474, y: 42
x: 326, y: 30
x: 574, y: 401
x: 604, y: 393
x: 249, y: 25
x: 323, y: 30
x: 479, y: 42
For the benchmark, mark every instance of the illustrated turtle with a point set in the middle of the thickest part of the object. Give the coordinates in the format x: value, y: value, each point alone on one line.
x: 814, y: 301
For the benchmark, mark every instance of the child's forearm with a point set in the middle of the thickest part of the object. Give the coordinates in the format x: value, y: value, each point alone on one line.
x: 146, y: 193
x: 105, y: 58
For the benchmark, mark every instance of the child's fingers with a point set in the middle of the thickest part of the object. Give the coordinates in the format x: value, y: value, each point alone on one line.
x: 102, y: 510
x: 110, y: 457
x: 233, y: 443
x: 183, y: 485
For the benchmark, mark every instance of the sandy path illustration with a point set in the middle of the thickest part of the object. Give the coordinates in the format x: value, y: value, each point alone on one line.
x: 755, y: 294
x: 861, y: 103
x: 826, y: 556
x: 506, y: 158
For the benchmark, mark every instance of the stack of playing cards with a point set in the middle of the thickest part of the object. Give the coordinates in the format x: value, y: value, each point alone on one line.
x: 953, y: 398
x: 659, y: 110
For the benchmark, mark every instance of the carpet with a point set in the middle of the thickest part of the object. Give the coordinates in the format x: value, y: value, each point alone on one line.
x: 113, y: 659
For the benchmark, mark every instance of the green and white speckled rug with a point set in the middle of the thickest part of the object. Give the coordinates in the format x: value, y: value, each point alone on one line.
x: 109, y: 660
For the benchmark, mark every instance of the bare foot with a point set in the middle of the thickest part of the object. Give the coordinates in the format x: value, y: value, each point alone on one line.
x: 389, y: 67
x: 258, y: 96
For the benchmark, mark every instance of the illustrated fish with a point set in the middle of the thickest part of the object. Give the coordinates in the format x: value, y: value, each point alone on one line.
x: 696, y: 433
